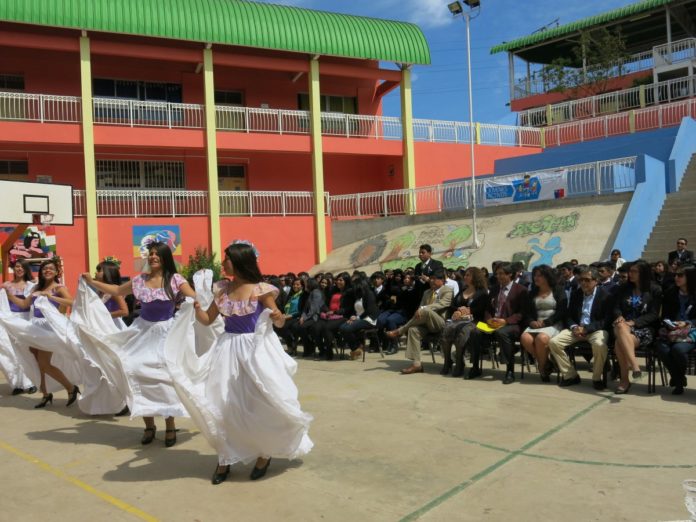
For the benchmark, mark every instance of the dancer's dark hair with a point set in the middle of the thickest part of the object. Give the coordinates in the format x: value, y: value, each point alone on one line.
x: 243, y: 259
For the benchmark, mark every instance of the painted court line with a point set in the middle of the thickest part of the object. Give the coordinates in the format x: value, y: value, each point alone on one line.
x: 490, y: 469
x: 77, y: 482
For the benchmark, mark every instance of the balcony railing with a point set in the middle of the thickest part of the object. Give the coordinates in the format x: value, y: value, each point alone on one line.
x: 650, y: 118
x: 613, y: 102
x: 178, y: 203
x: 40, y: 107
x: 586, y: 179
x: 679, y: 51
x: 134, y: 113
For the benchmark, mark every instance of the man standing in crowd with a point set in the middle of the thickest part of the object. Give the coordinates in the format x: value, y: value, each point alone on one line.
x: 586, y: 321
x: 681, y: 254
x: 429, y: 318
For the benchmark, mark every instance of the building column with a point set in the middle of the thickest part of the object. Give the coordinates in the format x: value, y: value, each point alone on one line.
x: 211, y: 152
x: 317, y: 159
x: 88, y: 153
x: 407, y: 138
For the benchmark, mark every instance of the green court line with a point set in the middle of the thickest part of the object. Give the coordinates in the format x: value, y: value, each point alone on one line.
x: 609, y: 464
x: 490, y: 469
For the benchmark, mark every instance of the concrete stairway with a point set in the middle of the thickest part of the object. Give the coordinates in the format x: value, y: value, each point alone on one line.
x: 677, y: 219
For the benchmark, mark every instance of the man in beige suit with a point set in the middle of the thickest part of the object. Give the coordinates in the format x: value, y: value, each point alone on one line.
x: 429, y: 318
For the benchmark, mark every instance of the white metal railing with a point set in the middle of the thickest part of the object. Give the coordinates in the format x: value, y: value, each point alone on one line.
x: 601, y: 177
x: 140, y: 203
x: 613, y: 102
x: 655, y: 117
x: 136, y: 113
x: 40, y: 107
x: 268, y: 203
x: 540, y: 83
x: 675, y: 52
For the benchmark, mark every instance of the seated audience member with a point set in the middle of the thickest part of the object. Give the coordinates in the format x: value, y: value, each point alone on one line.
x: 684, y: 256
x: 676, y: 337
x: 545, y: 311
x: 292, y: 310
x: 621, y: 276
x: 313, y: 305
x: 379, y: 288
x: 567, y: 278
x: 669, y: 279
x: 586, y: 320
x: 452, y: 282
x: 659, y: 268
x: 392, y: 314
x: 337, y: 312
x: 468, y: 308
x: 326, y: 287
x: 636, y: 314
x: 607, y: 277
x: 407, y: 304
x: 429, y: 318
x: 520, y: 275
x: 615, y: 259
x: 364, y: 316
x: 505, y: 314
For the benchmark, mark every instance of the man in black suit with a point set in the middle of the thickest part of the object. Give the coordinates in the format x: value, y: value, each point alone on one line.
x: 568, y: 279
x: 586, y: 320
x: 505, y: 315
x: 428, y: 266
x: 681, y: 253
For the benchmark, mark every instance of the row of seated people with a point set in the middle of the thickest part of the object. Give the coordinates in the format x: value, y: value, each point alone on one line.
x: 550, y: 317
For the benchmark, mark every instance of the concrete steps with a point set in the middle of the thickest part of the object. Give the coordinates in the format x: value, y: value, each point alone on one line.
x: 677, y: 219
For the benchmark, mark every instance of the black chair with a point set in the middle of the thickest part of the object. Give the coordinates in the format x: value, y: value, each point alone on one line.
x: 584, y: 350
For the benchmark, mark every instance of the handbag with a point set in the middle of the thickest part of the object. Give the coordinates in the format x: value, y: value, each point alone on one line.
x: 677, y: 335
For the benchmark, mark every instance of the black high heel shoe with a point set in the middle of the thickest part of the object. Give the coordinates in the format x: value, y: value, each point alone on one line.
x: 220, y: 476
x: 72, y: 396
x: 46, y: 399
x: 148, y: 435
x: 258, y: 473
x: 170, y: 441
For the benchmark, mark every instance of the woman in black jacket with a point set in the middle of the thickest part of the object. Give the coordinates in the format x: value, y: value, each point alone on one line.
x: 468, y: 308
x: 636, y: 315
x: 679, y: 310
x: 545, y: 312
x: 364, y: 316
x: 338, y: 311
x: 311, y: 309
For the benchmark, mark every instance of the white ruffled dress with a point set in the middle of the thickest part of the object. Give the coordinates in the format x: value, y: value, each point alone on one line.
x: 240, y: 392
x: 101, y: 393
x: 134, y: 358
x: 16, y: 361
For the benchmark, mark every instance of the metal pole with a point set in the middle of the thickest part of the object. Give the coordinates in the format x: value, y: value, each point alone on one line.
x: 471, y: 130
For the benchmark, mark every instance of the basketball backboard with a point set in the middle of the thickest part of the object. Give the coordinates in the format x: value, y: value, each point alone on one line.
x: 21, y: 202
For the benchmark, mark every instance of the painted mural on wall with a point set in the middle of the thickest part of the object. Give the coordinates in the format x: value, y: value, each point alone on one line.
x: 37, y: 242
x: 448, y: 242
x: 143, y: 235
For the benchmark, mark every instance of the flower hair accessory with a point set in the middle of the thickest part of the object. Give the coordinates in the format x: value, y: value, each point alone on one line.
x: 114, y: 260
x: 248, y: 243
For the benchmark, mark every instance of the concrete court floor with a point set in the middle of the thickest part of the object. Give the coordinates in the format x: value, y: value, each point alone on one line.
x: 387, y: 447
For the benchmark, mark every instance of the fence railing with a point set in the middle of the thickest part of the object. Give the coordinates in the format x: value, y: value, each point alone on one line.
x: 601, y: 177
x: 675, y: 52
x: 177, y: 203
x: 135, y: 113
x: 613, y: 102
x: 40, y: 107
x: 650, y: 118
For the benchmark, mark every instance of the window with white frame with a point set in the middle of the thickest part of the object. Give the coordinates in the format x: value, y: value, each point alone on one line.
x: 135, y: 174
x: 137, y: 90
x: 344, y: 104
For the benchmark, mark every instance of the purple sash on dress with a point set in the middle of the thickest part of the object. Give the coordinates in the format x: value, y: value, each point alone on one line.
x: 242, y: 324
x: 37, y: 312
x: 157, y: 310
x: 15, y: 308
x: 112, y: 305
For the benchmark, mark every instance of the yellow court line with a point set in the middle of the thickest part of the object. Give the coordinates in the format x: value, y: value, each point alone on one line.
x: 77, y: 482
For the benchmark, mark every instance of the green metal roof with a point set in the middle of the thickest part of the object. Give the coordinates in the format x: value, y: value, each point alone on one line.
x: 232, y: 22
x: 600, y: 19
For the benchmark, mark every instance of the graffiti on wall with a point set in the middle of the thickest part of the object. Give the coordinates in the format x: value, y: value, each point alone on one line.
x: 549, y: 224
x: 449, y: 244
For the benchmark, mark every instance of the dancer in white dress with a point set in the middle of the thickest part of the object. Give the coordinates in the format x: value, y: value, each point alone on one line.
x: 240, y: 393
x: 140, y: 348
x: 11, y: 360
x: 58, y: 295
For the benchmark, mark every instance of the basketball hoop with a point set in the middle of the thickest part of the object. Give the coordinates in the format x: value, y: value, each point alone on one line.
x: 42, y: 219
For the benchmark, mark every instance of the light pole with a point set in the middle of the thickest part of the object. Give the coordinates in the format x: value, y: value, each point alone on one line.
x: 457, y: 10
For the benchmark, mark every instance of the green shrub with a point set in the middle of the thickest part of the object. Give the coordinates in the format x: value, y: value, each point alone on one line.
x: 201, y: 259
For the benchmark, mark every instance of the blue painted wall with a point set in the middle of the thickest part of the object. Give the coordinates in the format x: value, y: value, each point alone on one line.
x: 644, y: 208
x: 657, y: 144
x: 684, y: 147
